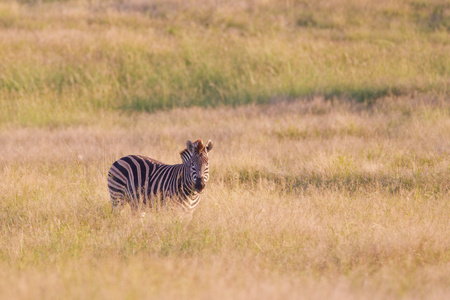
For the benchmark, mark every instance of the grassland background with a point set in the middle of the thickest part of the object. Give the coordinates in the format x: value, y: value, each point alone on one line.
x: 330, y: 172
x: 63, y: 61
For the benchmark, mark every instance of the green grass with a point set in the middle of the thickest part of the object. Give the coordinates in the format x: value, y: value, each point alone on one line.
x: 64, y: 62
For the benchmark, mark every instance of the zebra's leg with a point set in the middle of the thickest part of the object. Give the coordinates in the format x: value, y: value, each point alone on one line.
x: 117, y: 192
x: 117, y: 203
x: 137, y: 204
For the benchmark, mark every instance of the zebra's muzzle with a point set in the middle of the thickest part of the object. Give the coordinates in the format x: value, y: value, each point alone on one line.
x: 199, y: 185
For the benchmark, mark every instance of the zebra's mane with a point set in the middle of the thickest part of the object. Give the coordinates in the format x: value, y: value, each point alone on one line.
x: 186, y: 155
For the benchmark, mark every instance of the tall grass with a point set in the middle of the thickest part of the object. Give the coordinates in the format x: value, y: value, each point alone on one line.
x: 65, y: 61
x: 311, y: 199
x: 330, y: 172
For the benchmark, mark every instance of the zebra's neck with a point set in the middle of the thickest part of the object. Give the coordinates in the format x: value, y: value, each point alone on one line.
x: 186, y: 182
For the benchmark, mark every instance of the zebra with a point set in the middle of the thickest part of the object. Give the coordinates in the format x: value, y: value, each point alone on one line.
x: 140, y: 180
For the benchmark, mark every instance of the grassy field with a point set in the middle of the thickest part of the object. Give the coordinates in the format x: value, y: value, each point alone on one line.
x: 309, y: 199
x: 64, y: 61
x: 330, y: 174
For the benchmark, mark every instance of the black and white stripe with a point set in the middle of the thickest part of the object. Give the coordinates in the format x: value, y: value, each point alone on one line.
x: 143, y: 181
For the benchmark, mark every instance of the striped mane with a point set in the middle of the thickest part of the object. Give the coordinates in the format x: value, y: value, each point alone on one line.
x: 186, y: 155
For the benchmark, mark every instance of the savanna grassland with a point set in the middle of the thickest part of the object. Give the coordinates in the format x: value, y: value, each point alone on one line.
x: 330, y: 173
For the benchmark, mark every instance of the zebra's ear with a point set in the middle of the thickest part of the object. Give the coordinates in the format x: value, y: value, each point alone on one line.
x: 209, y: 145
x: 190, y: 146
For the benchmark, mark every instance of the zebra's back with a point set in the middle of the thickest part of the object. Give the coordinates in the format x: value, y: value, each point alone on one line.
x: 130, y: 180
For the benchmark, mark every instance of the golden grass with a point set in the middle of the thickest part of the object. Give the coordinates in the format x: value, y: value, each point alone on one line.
x: 337, y: 186
x: 307, y: 199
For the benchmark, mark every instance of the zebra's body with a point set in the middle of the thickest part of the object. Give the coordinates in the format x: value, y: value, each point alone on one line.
x: 143, y: 181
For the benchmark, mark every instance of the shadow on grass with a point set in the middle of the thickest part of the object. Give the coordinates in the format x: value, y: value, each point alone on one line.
x: 222, y: 96
x: 364, y: 94
x: 346, y: 181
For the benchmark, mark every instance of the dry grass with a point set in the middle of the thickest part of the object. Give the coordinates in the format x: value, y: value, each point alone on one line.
x: 338, y: 190
x: 309, y: 199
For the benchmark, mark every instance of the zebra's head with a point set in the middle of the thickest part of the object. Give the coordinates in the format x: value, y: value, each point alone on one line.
x: 196, y: 155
